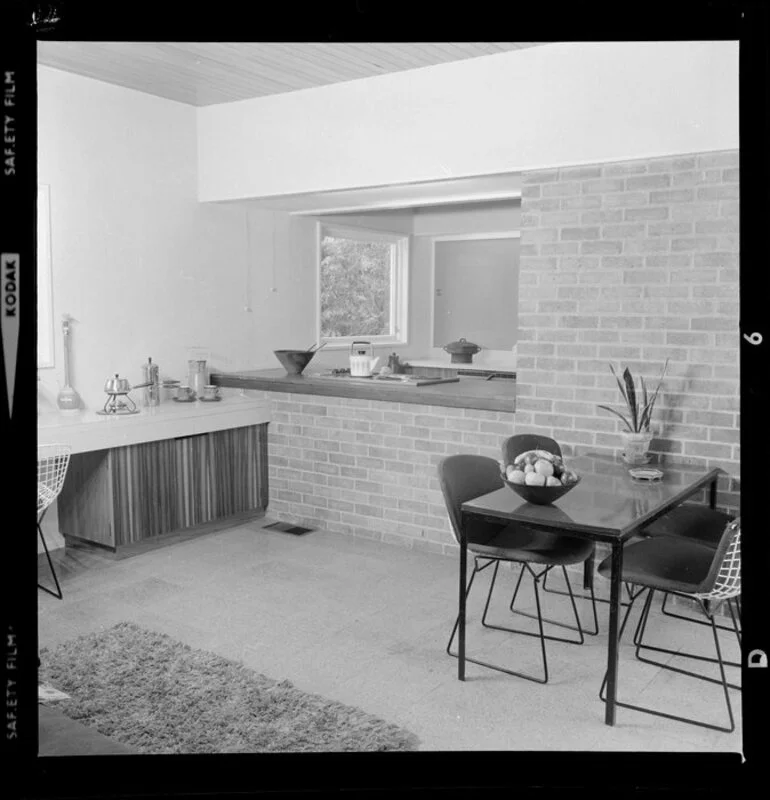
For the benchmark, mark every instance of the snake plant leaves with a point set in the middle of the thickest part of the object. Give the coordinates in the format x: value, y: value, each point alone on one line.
x: 640, y: 404
x: 631, y: 396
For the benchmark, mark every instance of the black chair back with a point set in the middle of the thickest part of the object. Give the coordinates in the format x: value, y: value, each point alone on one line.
x: 522, y: 442
x: 464, y: 477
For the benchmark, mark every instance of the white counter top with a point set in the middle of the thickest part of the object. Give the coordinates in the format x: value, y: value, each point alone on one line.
x: 87, y: 431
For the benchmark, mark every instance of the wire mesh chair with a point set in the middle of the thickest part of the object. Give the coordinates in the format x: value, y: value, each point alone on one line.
x: 52, y: 463
x: 465, y: 477
x: 689, y: 569
x: 702, y: 524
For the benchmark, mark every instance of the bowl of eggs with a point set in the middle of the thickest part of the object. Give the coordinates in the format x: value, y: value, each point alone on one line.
x: 539, y: 477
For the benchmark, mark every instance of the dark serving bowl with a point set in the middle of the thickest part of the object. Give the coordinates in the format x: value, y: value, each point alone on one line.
x: 540, y: 495
x: 294, y: 361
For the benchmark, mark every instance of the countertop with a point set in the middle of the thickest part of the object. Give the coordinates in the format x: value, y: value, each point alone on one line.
x: 447, y: 364
x: 86, y: 431
x: 468, y: 392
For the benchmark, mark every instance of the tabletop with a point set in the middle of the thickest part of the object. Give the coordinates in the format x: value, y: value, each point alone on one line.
x: 607, y: 504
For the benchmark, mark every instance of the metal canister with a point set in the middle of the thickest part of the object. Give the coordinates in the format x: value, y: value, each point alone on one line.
x: 152, y: 377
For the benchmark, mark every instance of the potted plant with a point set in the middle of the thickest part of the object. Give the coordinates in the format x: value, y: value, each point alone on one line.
x: 640, y: 404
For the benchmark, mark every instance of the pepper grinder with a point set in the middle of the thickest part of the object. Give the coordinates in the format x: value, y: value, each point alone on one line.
x: 395, y: 364
x: 152, y: 377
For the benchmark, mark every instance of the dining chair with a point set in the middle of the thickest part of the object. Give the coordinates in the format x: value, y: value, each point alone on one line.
x: 697, y: 523
x: 521, y: 443
x: 52, y: 463
x: 690, y: 569
x: 466, y: 477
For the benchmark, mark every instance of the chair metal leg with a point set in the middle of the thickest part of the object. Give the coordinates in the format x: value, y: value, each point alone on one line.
x: 476, y: 568
x: 539, y: 617
x: 541, y: 635
x: 695, y: 619
x: 725, y: 686
x: 58, y: 593
x: 640, y: 645
x: 592, y: 597
x: 568, y: 593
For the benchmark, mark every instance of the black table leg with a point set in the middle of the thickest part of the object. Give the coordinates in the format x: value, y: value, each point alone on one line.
x: 612, y: 643
x: 588, y: 572
x: 713, y: 494
x: 461, y: 607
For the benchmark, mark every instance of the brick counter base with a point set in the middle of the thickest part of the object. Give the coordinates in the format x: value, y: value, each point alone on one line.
x: 368, y: 468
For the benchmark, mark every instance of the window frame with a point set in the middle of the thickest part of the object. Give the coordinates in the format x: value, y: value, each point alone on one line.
x: 399, y: 284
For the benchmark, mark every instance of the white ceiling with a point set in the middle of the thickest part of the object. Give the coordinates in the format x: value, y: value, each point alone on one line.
x: 206, y: 73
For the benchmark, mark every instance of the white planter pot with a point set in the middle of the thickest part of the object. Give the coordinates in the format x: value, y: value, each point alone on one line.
x: 636, y: 447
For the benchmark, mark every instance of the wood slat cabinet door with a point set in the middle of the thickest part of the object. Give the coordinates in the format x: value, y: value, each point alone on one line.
x: 145, y: 487
x: 128, y: 494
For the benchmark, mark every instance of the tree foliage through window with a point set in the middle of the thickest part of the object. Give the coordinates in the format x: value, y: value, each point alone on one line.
x: 355, y: 287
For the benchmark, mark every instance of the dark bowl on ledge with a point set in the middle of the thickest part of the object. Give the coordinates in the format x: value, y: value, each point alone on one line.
x: 540, y: 495
x: 294, y: 361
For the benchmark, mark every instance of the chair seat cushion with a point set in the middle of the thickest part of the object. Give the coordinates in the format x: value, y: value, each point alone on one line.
x: 691, y: 522
x: 518, y: 542
x: 668, y: 563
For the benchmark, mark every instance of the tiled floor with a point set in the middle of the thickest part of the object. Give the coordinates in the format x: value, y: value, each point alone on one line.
x: 366, y: 623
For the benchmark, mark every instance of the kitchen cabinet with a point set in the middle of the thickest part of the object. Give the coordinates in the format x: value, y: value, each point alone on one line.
x: 125, y: 495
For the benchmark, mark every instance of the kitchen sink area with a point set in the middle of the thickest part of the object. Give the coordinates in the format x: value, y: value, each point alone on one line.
x: 406, y: 380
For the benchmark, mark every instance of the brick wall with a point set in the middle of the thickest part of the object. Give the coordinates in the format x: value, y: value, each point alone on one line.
x: 633, y: 262
x: 368, y: 468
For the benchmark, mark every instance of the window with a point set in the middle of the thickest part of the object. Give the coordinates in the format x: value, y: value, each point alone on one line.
x: 362, y: 285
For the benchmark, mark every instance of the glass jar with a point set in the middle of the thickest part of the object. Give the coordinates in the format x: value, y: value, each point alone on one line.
x: 197, y: 375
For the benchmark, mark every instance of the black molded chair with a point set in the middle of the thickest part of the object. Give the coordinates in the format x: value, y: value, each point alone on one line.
x: 687, y: 568
x: 465, y: 477
x: 521, y: 443
x: 697, y: 523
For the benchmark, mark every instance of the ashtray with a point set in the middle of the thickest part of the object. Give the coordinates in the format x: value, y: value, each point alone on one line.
x: 209, y: 399
x: 645, y: 474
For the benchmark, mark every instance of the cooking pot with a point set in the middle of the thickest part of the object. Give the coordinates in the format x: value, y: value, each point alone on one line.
x: 118, y: 385
x: 462, y: 351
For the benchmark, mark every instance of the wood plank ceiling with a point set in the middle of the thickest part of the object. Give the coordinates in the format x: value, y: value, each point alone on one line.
x: 206, y: 73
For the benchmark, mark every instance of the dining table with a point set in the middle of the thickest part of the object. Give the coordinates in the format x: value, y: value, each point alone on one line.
x: 607, y: 506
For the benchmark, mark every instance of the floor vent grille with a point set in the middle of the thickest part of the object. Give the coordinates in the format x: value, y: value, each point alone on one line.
x: 285, y: 527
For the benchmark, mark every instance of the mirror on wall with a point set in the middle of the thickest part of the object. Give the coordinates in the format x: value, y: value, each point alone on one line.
x: 475, y: 289
x: 45, y: 337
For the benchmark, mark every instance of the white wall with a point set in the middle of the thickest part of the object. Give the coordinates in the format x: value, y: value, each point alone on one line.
x: 140, y: 264
x: 553, y: 105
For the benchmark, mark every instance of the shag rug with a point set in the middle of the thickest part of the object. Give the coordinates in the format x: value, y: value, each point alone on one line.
x: 157, y: 695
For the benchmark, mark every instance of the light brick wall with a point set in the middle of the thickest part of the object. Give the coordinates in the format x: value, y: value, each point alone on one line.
x: 633, y: 262
x: 368, y: 468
